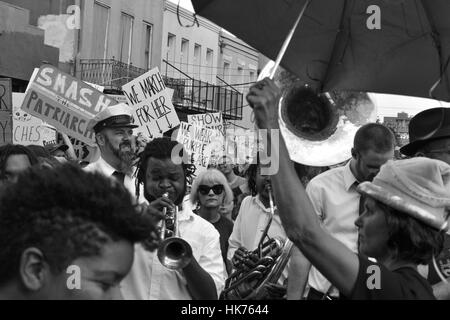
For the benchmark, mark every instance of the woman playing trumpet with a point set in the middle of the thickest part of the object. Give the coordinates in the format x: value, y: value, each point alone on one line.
x: 402, y: 225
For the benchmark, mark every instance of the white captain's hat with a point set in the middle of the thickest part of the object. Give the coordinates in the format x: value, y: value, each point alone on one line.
x: 118, y: 116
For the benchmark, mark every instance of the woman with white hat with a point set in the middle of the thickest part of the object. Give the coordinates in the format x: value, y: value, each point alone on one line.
x: 406, y: 212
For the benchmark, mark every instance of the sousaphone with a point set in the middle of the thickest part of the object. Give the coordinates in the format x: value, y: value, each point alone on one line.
x: 319, y: 128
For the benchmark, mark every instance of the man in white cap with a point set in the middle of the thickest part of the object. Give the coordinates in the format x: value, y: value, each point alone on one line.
x: 113, y: 129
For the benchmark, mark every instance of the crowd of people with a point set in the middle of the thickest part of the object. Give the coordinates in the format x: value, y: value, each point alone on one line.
x: 370, y: 217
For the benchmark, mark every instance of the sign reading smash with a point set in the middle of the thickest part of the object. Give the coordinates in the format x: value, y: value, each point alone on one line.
x: 65, y: 102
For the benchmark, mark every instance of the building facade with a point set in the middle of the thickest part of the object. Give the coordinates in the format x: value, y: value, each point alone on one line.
x: 399, y: 125
x: 22, y: 43
x: 119, y: 40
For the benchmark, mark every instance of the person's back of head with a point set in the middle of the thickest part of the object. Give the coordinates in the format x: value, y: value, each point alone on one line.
x: 67, y: 234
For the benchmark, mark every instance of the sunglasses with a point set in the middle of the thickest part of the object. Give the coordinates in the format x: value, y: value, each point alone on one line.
x: 204, y: 190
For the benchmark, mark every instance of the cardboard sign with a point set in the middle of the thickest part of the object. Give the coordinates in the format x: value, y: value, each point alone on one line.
x: 28, y: 129
x: 65, y: 102
x: 209, y: 120
x: 197, y: 143
x: 152, y: 104
x: 5, y: 111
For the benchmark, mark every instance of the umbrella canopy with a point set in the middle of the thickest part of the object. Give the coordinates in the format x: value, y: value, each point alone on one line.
x: 335, y: 48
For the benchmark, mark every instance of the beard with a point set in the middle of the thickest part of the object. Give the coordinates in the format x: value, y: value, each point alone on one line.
x: 124, y: 153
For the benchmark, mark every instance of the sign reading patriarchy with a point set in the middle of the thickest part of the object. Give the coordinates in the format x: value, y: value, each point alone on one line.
x: 65, y: 102
x: 152, y: 104
x: 5, y: 111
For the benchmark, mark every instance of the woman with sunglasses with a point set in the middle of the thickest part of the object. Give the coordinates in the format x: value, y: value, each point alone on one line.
x: 209, y: 192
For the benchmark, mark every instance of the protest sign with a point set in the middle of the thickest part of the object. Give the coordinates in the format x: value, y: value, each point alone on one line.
x: 209, y: 120
x: 28, y: 129
x: 5, y: 111
x: 197, y: 143
x: 152, y: 104
x: 65, y: 102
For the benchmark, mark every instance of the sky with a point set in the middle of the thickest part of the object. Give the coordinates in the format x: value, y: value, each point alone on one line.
x: 388, y: 105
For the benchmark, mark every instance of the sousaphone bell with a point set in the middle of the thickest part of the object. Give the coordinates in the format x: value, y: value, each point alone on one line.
x: 319, y: 129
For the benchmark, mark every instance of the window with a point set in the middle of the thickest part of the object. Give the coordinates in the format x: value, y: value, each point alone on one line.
x: 197, y: 60
x: 170, y: 53
x: 240, y: 75
x: 209, y: 64
x: 126, y: 35
x: 184, y: 55
x: 100, y: 31
x: 148, y: 45
x: 226, y: 71
x: 252, y: 76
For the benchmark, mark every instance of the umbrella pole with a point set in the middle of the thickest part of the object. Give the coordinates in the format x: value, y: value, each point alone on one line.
x: 288, y: 40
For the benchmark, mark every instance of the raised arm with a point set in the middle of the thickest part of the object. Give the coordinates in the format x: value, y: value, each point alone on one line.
x: 332, y: 258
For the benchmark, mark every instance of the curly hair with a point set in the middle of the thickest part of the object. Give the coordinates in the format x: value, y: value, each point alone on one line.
x: 161, y: 148
x: 66, y: 213
x: 410, y: 239
x: 13, y: 149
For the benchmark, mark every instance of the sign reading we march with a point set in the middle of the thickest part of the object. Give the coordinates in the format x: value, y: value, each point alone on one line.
x: 65, y: 102
x: 151, y: 100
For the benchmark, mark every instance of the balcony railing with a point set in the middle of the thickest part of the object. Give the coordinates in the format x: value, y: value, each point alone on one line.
x: 109, y: 73
x: 191, y: 96
x: 194, y: 96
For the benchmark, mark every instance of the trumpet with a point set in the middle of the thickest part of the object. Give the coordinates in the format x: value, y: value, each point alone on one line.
x: 173, y: 252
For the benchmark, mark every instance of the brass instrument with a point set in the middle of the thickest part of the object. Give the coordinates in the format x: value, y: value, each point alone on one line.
x: 319, y: 129
x: 173, y: 252
x: 272, y: 254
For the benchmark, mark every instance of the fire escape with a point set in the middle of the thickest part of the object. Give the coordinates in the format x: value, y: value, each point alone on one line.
x: 191, y: 96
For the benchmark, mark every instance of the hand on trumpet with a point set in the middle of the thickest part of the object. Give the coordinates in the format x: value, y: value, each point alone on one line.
x: 156, y: 208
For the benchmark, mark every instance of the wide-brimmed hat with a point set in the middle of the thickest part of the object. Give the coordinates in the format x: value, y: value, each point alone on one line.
x: 419, y: 187
x: 425, y: 126
x: 116, y: 116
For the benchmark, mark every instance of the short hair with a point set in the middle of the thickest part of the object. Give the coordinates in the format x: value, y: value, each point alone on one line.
x: 374, y: 136
x: 409, y: 238
x: 14, y: 149
x: 67, y: 213
x: 161, y: 148
x: 211, y: 176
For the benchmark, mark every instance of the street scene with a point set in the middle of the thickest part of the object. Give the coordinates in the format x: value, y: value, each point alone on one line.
x: 224, y: 150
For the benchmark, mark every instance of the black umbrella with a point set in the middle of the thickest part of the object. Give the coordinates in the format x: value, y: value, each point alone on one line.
x: 338, y: 46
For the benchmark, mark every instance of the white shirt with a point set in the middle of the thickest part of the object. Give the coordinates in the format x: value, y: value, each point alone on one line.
x: 149, y: 280
x: 106, y: 169
x: 335, y: 199
x: 249, y: 227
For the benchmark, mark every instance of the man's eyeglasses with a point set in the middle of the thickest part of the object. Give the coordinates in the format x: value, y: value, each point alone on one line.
x: 204, y: 190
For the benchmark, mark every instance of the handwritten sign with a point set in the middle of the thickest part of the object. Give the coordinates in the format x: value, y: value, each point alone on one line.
x: 209, y: 120
x: 28, y: 129
x: 65, y: 102
x: 152, y: 104
x: 5, y: 111
x: 197, y: 143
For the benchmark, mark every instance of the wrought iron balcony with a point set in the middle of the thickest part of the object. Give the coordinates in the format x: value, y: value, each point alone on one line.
x: 191, y: 96
x: 109, y: 73
x: 194, y: 96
